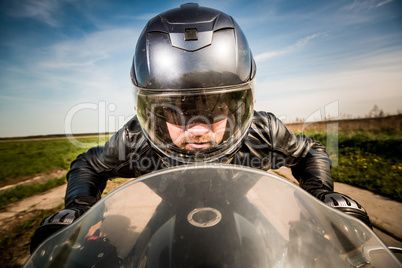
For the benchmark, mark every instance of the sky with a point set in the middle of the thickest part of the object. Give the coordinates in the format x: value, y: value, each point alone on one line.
x: 64, y: 64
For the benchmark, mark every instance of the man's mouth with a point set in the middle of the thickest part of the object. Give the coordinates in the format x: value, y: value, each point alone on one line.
x: 199, y: 145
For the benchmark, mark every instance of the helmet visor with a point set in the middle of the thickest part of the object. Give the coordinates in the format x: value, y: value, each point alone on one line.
x: 221, y: 114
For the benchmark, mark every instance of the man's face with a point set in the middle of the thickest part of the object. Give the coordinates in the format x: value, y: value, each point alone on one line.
x: 197, y: 136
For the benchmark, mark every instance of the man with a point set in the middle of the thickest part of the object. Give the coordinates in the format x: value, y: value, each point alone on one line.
x: 193, y: 75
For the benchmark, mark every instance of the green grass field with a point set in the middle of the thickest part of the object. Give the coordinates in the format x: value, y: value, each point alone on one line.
x: 15, y: 245
x: 26, y: 158
x: 369, y: 160
x: 22, y: 191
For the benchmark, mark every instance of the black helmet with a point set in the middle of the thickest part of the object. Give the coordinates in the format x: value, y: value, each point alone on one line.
x: 193, y: 66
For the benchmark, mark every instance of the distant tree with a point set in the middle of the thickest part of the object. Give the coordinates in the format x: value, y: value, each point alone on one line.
x: 376, y: 112
x: 345, y: 116
x: 299, y: 120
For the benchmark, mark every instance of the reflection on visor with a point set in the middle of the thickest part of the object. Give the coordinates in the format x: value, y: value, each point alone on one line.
x: 158, y: 110
x: 176, y: 116
x: 196, y: 108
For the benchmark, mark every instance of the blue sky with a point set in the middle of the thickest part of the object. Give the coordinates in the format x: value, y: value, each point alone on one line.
x: 64, y: 64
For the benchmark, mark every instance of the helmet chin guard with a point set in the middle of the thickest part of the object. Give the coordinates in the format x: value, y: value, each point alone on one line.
x: 192, y: 65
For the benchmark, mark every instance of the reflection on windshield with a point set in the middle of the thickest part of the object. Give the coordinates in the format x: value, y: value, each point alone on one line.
x: 213, y: 216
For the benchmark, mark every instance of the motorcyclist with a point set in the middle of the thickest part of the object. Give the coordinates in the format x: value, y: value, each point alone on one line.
x: 193, y: 75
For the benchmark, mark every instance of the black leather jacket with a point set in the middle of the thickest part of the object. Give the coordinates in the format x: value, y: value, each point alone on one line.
x: 269, y: 144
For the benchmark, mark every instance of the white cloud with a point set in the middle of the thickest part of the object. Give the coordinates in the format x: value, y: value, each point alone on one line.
x: 42, y: 10
x: 289, y: 49
x: 90, y: 67
x: 90, y: 49
x: 357, y: 87
x: 364, y: 5
x: 87, y: 70
x: 383, y: 3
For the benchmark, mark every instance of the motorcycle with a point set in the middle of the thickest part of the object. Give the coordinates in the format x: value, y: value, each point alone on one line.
x: 213, y: 216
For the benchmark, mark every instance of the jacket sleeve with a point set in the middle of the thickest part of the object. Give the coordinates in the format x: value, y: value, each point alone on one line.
x: 307, y: 158
x: 90, y: 171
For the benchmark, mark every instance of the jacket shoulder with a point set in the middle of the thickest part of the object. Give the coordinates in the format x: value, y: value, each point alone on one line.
x: 132, y: 130
x: 128, y: 141
x: 262, y: 116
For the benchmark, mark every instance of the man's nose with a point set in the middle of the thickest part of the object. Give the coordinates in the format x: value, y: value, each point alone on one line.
x: 198, y: 129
